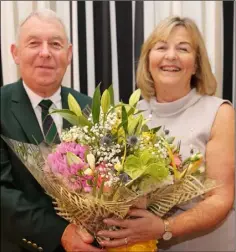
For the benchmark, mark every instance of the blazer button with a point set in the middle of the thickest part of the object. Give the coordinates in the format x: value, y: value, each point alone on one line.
x: 40, y: 249
x: 35, y: 245
x: 29, y: 242
x: 24, y: 240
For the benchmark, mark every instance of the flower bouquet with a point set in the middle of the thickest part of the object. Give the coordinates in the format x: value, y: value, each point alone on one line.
x: 108, y: 161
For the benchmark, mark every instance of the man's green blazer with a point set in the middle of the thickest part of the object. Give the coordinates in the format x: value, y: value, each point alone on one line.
x: 28, y: 220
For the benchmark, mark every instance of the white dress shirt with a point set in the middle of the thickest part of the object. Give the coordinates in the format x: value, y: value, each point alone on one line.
x: 35, y: 99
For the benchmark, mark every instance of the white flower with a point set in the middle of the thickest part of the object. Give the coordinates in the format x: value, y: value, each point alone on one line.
x: 202, y: 169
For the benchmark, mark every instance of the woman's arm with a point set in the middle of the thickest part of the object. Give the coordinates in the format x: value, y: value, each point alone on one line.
x: 220, y: 167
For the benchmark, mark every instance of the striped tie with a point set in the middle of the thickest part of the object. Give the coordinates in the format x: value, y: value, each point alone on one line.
x: 49, y: 126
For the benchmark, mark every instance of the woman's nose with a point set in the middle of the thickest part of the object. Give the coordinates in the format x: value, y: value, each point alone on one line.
x: 171, y: 54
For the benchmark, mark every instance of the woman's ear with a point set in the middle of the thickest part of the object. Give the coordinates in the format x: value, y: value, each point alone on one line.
x: 14, y: 53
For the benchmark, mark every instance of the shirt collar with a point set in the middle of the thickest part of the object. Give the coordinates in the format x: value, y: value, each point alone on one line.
x: 35, y: 99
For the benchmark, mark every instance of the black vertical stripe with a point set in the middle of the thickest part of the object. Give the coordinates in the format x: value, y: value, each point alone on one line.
x: 124, y: 48
x: 82, y: 47
x: 102, y: 43
x: 71, y: 39
x: 228, y: 20
x: 138, y: 31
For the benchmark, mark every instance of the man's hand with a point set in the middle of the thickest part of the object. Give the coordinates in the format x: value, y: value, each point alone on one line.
x: 75, y: 239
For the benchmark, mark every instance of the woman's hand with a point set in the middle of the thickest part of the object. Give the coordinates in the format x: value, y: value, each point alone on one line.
x: 146, y: 226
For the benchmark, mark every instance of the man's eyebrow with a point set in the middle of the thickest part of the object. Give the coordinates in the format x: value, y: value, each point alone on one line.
x: 32, y: 37
x: 52, y: 38
x: 57, y: 38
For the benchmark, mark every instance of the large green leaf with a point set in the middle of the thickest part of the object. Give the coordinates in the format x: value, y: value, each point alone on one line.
x: 133, y: 166
x: 145, y: 128
x: 145, y: 165
x: 111, y: 92
x: 74, y: 105
x: 124, y: 119
x: 157, y: 170
x: 68, y: 115
x: 83, y: 121
x: 105, y: 101
x: 145, y: 156
x: 156, y: 129
x: 72, y: 118
x: 139, y: 126
x: 132, y: 125
x: 135, y: 125
x: 134, y: 98
x: 130, y: 110
x: 96, y: 103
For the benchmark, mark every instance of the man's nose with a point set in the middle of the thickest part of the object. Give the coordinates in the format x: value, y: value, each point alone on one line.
x: 45, y: 51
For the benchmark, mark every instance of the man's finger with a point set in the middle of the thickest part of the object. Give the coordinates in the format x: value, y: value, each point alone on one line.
x: 84, y: 235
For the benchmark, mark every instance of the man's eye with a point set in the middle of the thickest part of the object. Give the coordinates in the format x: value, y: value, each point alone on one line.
x: 33, y: 43
x: 56, y: 44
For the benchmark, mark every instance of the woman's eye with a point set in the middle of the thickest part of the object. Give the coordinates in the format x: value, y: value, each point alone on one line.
x: 183, y: 49
x: 161, y: 48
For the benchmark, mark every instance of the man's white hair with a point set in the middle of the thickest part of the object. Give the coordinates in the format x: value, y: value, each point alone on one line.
x: 43, y: 14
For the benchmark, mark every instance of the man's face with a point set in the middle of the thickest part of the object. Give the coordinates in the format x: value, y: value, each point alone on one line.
x: 43, y: 54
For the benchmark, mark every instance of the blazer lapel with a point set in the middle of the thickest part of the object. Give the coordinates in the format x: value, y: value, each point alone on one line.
x: 24, y: 113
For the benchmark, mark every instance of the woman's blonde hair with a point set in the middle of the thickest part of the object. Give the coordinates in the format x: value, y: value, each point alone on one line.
x: 203, y: 79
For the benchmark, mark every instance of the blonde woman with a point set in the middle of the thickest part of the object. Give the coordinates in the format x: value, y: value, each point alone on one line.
x: 178, y: 88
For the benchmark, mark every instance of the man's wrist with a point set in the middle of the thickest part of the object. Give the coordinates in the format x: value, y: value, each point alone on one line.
x: 68, y: 234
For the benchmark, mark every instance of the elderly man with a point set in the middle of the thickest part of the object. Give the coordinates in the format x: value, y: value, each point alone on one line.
x: 28, y: 220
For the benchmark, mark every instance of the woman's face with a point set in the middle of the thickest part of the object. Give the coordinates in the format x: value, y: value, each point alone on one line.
x: 172, y: 62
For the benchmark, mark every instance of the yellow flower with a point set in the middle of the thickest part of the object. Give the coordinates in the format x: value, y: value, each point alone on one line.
x: 149, y: 246
x: 118, y: 167
x: 115, y: 126
x: 148, y: 137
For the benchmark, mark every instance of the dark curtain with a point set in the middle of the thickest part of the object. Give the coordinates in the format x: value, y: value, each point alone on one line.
x: 228, y: 27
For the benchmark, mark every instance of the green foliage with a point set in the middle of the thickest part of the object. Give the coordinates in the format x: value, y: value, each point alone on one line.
x: 72, y: 118
x: 134, y: 98
x: 111, y: 92
x: 96, y: 103
x: 105, y: 102
x: 147, y: 165
x: 74, y: 105
x: 124, y: 117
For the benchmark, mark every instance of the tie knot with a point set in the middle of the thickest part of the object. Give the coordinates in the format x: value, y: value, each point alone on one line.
x: 45, y: 104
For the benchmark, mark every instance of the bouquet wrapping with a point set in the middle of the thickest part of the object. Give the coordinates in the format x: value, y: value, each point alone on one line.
x: 108, y: 161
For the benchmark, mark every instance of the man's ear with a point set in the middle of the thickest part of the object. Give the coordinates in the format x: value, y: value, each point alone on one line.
x: 70, y: 52
x: 14, y: 53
